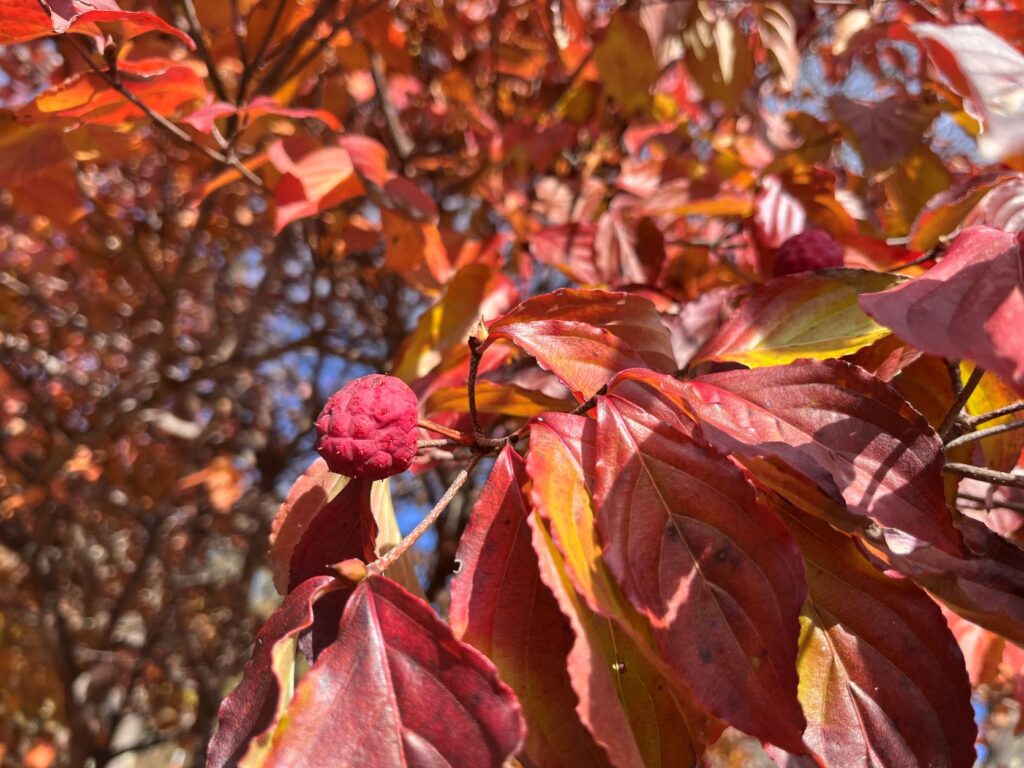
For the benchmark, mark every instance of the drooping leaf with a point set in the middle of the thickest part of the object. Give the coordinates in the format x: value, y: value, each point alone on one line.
x: 570, y: 248
x: 626, y: 64
x: 625, y: 699
x: 831, y: 422
x: 584, y: 337
x: 881, y: 678
x: 988, y: 70
x: 1003, y: 207
x: 313, y: 179
x: 718, y: 56
x: 630, y: 700
x: 164, y: 86
x: 970, y: 305
x: 778, y: 30
x: 204, y: 118
x: 389, y: 535
x: 308, y: 495
x: 249, y: 714
x: 343, y: 529
x: 690, y: 547
x: 396, y: 688
x: 985, y: 585
x: 500, y: 606
x: 916, y: 180
x: 808, y: 315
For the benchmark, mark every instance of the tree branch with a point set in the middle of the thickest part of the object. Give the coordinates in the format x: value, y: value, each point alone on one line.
x: 986, y: 474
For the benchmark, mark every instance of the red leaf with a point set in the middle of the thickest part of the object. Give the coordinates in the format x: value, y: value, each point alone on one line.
x: 203, y: 119
x: 836, y: 425
x: 23, y: 20
x: 985, y: 586
x: 255, y: 705
x: 691, y: 547
x: 778, y: 215
x: 944, y: 212
x: 585, y: 337
x: 396, y: 688
x: 628, y: 697
x: 500, y: 606
x: 314, y: 179
x: 570, y: 247
x: 970, y: 305
x: 342, y: 530
x: 307, y: 496
x: 881, y: 678
x: 883, y: 132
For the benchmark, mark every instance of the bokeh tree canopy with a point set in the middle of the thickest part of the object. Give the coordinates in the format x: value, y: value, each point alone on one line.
x: 213, y: 213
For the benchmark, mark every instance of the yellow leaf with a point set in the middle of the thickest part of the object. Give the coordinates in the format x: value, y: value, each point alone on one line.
x: 626, y: 64
x: 813, y: 314
x: 507, y: 399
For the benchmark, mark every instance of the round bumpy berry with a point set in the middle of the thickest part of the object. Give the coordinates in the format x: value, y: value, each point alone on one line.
x: 810, y: 250
x: 368, y: 428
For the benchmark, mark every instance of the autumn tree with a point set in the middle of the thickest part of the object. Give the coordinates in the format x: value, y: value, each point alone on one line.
x: 692, y: 332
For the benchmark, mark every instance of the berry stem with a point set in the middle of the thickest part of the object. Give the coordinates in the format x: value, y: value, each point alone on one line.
x: 475, y: 353
x: 384, y: 562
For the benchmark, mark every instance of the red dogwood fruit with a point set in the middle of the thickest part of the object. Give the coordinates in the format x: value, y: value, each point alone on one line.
x: 367, y: 429
x: 810, y: 250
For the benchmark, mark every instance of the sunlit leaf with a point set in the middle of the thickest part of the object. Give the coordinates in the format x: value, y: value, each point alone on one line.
x: 313, y: 179
x: 584, y: 337
x: 162, y: 85
x: 690, y: 547
x: 855, y: 438
x: 808, y: 315
x: 23, y: 20
x: 988, y: 70
x: 446, y: 325
x: 507, y: 399
x: 1000, y: 452
x: 881, y: 678
x: 970, y: 305
x: 500, y: 606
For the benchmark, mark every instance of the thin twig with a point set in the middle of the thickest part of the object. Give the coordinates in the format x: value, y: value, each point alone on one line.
x: 475, y: 353
x: 949, y: 423
x: 196, y: 31
x: 972, y: 421
x: 986, y: 474
x: 252, y: 67
x: 178, y: 134
x: 590, y: 402
x: 459, y: 437
x: 981, y: 434
x: 384, y: 562
x: 351, y: 18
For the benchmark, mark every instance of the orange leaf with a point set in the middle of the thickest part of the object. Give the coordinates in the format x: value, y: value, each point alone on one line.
x: 314, y: 179
x: 162, y: 85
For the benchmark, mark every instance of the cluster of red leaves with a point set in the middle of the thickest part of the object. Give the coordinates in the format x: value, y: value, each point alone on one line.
x: 745, y: 520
